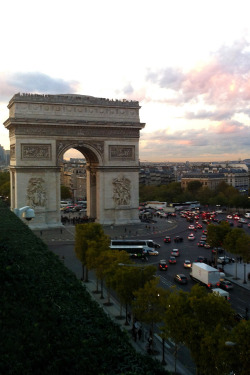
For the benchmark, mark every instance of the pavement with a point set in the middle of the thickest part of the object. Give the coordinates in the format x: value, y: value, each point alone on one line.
x: 163, y: 226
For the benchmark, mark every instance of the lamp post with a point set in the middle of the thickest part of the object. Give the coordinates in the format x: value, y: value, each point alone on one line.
x: 245, y: 281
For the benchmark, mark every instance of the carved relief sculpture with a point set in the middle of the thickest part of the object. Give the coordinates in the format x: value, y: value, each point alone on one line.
x: 13, y: 152
x: 121, y: 191
x: 36, y: 192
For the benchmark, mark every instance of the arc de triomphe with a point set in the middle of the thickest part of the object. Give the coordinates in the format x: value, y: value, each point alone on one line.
x: 43, y: 127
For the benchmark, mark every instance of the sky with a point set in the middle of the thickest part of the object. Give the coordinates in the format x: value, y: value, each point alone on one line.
x: 186, y: 62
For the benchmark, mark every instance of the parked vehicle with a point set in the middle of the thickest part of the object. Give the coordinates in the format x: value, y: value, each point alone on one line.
x: 221, y: 293
x: 205, y: 275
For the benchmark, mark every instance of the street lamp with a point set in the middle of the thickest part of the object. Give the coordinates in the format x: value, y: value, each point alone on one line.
x: 245, y: 281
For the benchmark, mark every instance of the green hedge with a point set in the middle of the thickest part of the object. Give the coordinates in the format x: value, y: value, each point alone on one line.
x: 49, y: 323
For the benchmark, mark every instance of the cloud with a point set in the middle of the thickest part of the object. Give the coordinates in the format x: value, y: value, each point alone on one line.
x: 217, y: 142
x: 34, y: 82
x: 221, y: 82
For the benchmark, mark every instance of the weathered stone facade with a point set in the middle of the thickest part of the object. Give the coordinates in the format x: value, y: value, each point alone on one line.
x: 43, y: 127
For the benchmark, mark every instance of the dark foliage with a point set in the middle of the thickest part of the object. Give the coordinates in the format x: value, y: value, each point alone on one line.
x: 49, y: 324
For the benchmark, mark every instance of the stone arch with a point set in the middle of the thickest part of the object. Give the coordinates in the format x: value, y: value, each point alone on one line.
x: 92, y: 152
x: 43, y: 127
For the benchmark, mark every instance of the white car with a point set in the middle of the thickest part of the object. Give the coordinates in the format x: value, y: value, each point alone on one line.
x: 191, y: 237
x: 224, y: 260
x: 151, y: 252
x: 191, y: 227
x: 187, y: 264
x: 229, y: 216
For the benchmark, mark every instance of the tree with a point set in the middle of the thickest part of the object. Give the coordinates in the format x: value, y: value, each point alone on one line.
x: 93, y: 253
x: 216, y: 235
x: 65, y: 192
x: 208, y: 313
x: 243, y: 247
x: 175, y: 306
x: 238, y: 353
x: 5, y: 190
x: 85, y: 235
x: 194, y: 186
x: 129, y: 278
x: 148, y: 305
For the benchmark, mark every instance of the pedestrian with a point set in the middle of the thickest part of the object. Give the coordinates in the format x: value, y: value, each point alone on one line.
x: 134, y: 332
x: 139, y: 333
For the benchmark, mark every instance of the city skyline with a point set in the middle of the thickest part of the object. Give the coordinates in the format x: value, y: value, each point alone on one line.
x: 187, y: 63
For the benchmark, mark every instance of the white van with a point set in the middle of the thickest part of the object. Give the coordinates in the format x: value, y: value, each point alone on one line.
x: 221, y: 292
x: 247, y: 215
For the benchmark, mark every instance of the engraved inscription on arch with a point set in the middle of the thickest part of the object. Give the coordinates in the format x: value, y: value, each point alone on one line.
x: 36, y: 151
x: 121, y: 152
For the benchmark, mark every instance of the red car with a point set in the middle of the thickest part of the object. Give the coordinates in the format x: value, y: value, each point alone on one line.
x: 167, y: 239
x: 172, y: 260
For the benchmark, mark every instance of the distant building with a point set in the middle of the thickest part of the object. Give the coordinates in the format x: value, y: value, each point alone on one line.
x: 156, y: 175
x: 73, y: 175
x: 209, y: 180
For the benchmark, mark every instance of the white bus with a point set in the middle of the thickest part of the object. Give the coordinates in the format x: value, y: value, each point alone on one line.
x: 134, y: 251
x: 156, y: 205
x: 147, y: 244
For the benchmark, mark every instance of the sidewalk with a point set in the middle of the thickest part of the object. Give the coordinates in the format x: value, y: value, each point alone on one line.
x: 237, y: 273
x: 113, y: 311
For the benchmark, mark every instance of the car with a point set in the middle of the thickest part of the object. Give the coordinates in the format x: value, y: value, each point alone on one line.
x: 151, y: 252
x: 181, y: 278
x: 203, y: 237
x: 225, y: 260
x: 178, y: 239
x: 243, y: 221
x: 201, y: 243
x: 229, y: 216
x: 199, y: 226
x: 201, y: 259
x: 156, y: 245
x: 218, y: 250
x: 172, y: 260
x: 248, y: 225
x: 187, y: 264
x: 204, y: 232
x: 226, y: 285
x: 207, y: 246
x: 163, y: 265
x: 167, y: 239
x: 175, y: 252
x: 236, y: 217
x: 191, y: 227
x: 191, y: 237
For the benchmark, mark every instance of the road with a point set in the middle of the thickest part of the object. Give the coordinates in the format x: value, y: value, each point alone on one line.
x: 239, y: 297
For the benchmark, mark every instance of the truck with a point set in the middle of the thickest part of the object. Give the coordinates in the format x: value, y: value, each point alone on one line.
x: 221, y: 293
x: 205, y: 275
